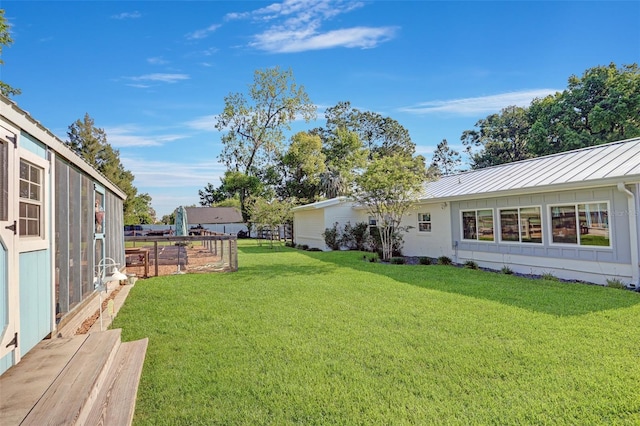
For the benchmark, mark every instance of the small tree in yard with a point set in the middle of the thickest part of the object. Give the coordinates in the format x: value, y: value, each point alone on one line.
x: 388, y: 187
x: 271, y: 214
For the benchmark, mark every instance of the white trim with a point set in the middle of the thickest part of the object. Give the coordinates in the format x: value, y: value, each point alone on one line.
x: 477, y: 239
x: 577, y: 211
x: 520, y: 242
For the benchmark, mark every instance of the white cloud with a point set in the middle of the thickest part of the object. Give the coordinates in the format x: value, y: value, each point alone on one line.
x: 207, y: 123
x: 165, y: 78
x: 166, y: 174
x: 127, y: 15
x: 130, y: 136
x: 479, y: 105
x: 158, y: 60
x: 199, y: 34
x: 297, y: 41
x: 297, y: 25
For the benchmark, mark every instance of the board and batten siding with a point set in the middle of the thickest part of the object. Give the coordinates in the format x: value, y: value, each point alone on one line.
x: 588, y: 263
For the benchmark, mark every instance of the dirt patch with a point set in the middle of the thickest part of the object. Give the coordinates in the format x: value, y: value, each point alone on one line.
x: 198, y: 260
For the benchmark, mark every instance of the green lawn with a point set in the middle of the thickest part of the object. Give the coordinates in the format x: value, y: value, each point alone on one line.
x: 314, y: 338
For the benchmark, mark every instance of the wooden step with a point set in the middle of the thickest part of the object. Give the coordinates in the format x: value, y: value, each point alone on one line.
x: 23, y: 385
x: 76, y: 388
x: 116, y: 401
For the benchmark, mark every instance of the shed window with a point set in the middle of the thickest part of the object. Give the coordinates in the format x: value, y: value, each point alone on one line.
x: 478, y: 225
x: 522, y: 225
x: 583, y: 224
x: 424, y: 222
x: 30, y: 208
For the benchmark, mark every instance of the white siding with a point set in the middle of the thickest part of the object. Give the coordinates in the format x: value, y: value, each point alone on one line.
x: 431, y: 244
x: 308, y: 226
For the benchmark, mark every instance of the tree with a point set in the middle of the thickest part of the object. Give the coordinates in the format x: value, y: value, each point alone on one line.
x: 502, y: 138
x: 140, y: 210
x: 303, y: 166
x: 388, y: 187
x: 380, y: 135
x: 169, y: 219
x: 90, y: 143
x: 211, y: 195
x: 601, y: 106
x: 345, y: 155
x: 269, y: 214
x: 254, y: 126
x: 445, y: 159
x: 6, y: 40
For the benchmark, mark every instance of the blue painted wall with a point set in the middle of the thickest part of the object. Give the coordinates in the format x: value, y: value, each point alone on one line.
x: 35, y: 298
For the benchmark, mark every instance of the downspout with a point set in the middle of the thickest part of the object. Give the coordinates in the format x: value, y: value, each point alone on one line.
x: 633, y: 231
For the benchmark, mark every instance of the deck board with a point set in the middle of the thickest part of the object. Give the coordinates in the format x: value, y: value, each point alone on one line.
x: 22, y: 386
x: 115, y: 404
x: 77, y: 384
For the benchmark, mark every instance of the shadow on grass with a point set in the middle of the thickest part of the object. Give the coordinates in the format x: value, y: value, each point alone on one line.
x: 549, y: 297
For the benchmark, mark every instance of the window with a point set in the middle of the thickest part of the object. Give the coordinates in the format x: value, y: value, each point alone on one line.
x: 30, y: 208
x: 424, y: 222
x: 477, y: 225
x: 583, y: 224
x: 521, y: 225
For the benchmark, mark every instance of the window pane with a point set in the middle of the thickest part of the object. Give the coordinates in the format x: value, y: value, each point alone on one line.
x: 24, y: 170
x: 563, y: 222
x: 24, y: 189
x: 35, y: 175
x: 531, y: 225
x: 509, y: 225
x: 34, y: 192
x: 424, y: 217
x: 485, y: 225
x: 594, y: 224
x: 424, y: 227
x: 23, y: 226
x: 33, y: 228
x: 469, y: 225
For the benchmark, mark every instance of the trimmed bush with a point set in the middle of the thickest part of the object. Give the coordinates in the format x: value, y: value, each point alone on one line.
x: 470, y: 264
x: 424, y: 260
x: 444, y: 260
x: 397, y: 260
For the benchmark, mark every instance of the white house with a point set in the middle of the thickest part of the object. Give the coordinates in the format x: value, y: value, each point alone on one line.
x: 59, y: 218
x: 573, y: 214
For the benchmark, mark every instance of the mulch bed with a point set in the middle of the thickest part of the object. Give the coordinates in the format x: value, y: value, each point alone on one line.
x: 88, y: 323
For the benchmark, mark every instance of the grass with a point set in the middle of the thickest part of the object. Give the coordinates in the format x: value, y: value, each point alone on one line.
x: 308, y: 338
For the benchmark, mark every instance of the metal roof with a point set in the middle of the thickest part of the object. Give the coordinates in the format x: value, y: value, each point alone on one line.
x: 596, y: 165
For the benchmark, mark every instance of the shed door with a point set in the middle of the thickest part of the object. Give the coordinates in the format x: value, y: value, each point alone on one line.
x: 9, y: 297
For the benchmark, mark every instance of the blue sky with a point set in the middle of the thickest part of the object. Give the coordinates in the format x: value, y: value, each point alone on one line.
x: 154, y: 74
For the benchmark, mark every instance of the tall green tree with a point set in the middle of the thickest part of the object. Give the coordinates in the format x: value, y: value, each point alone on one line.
x: 90, y: 142
x: 502, y: 138
x: 302, y: 168
x: 380, y: 135
x: 603, y: 105
x: 388, y: 187
x: 345, y: 155
x: 6, y: 40
x: 254, y: 124
x: 445, y: 160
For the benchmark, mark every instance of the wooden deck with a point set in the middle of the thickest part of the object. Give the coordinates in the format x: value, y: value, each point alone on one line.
x: 88, y: 379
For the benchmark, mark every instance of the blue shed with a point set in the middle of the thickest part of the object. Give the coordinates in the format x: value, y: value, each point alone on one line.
x: 59, y: 218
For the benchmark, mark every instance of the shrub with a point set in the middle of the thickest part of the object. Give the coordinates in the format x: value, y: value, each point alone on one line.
x: 355, y: 237
x: 470, y: 264
x: 616, y: 283
x: 549, y: 277
x: 305, y: 247
x: 506, y: 270
x: 424, y: 260
x: 332, y: 237
x: 373, y: 259
x: 444, y: 260
x: 397, y: 260
x: 314, y: 249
